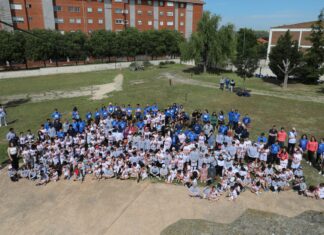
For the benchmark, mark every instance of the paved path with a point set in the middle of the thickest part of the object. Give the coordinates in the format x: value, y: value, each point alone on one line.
x: 123, y: 207
x: 178, y: 78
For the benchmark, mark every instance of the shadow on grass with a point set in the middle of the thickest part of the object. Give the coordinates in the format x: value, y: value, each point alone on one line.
x: 16, y: 103
x: 199, y: 70
x: 320, y: 90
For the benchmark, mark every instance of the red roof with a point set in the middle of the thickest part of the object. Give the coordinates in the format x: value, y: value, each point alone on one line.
x: 304, y: 25
x: 262, y: 41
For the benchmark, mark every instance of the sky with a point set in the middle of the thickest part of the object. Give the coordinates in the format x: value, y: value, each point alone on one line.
x: 263, y: 14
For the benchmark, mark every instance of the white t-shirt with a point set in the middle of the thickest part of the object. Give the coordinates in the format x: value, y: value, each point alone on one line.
x: 292, y: 137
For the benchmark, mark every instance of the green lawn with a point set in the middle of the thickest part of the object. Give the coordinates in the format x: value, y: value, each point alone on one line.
x: 41, y: 84
x: 307, y: 117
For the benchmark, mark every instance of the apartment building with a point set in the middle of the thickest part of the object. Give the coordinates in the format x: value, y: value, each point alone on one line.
x: 91, y: 15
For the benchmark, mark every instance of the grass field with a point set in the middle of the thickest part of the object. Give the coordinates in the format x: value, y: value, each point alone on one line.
x: 144, y: 87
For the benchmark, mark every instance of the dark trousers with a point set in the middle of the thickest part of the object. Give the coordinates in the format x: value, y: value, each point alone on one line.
x: 291, y: 148
x: 311, y: 156
x: 15, y: 162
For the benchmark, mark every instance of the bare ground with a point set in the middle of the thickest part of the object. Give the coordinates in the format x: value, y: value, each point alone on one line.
x: 123, y: 207
x: 97, y: 92
x: 179, y: 79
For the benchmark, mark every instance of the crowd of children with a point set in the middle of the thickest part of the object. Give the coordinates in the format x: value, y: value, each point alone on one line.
x: 171, y: 145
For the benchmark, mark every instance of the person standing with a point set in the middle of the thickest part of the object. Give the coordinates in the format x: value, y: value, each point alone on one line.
x: 3, y: 114
x: 13, y: 155
x: 312, y: 147
x: 272, y: 135
x: 221, y: 83
x: 281, y: 137
x: 232, y: 85
x: 292, y: 140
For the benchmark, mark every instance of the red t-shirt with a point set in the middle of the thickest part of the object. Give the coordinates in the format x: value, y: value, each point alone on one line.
x: 282, y: 135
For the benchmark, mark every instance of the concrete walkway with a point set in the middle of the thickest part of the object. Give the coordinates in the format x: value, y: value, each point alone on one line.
x: 123, y: 207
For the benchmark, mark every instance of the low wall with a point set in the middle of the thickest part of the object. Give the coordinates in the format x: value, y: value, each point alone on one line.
x: 72, y: 69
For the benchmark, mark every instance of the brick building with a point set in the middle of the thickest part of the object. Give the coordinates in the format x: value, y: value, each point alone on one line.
x: 90, y: 15
x: 299, y: 32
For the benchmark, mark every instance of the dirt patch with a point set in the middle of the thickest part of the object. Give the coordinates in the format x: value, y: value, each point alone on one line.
x: 96, y: 92
x: 137, y: 82
x: 179, y: 79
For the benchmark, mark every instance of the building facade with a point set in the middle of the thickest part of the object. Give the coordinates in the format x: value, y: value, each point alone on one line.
x: 299, y: 32
x: 91, y: 15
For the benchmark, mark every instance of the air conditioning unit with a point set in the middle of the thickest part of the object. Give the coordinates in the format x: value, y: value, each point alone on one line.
x: 28, y: 5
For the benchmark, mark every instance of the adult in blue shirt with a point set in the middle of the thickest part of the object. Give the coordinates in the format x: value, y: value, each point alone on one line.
x: 192, y: 136
x: 223, y: 129
x: 262, y: 138
x: 104, y: 113
x: 56, y: 115
x: 47, y: 124
x: 154, y: 108
x: 111, y: 108
x: 129, y: 112
x: 81, y: 125
x: 221, y: 118
x: 320, y: 155
x: 121, y: 126
x: 236, y: 118
x: 206, y: 116
x: 274, y: 150
x: 75, y: 113
x: 97, y: 116
x: 75, y: 125
x: 138, y: 112
x: 246, y: 120
x: 231, y: 117
x: 303, y: 142
x: 140, y: 124
x: 197, y: 128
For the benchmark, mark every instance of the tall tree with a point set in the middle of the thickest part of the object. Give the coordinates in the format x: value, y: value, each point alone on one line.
x: 102, y: 44
x: 247, y: 58
x: 12, y: 47
x: 285, y: 58
x: 314, y: 58
x: 75, y: 45
x: 211, y: 45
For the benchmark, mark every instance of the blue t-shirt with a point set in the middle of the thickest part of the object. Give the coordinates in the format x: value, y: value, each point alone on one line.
x: 129, y: 111
x: 111, y: 109
x: 140, y: 124
x: 246, y: 120
x: 275, y: 148
x: 236, y: 117
x: 303, y: 144
x: 122, y: 125
x: 262, y: 139
x: 97, y: 114
x: 231, y: 116
x: 81, y: 126
x: 56, y: 115
x: 206, y: 117
x: 197, y: 128
x: 60, y: 134
x: 320, y: 149
x: 223, y: 129
x: 88, y: 115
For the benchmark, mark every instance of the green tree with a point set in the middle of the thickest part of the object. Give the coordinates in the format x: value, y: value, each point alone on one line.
x: 314, y: 57
x: 285, y: 58
x: 211, y: 45
x: 103, y: 44
x: 12, y: 47
x: 75, y: 45
x: 129, y: 42
x: 247, y: 58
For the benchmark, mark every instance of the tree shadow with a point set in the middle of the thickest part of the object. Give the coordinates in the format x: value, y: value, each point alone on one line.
x: 199, y: 70
x: 320, y: 90
x: 15, y: 103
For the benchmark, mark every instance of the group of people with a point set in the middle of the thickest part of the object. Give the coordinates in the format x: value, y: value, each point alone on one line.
x: 227, y: 84
x: 170, y: 145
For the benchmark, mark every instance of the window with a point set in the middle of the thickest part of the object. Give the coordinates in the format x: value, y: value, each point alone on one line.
x: 139, y: 12
x: 149, y: 2
x: 119, y: 21
x: 118, y: 11
x: 170, y: 4
x: 28, y: 5
x: 16, y: 6
x: 149, y: 13
x: 161, y: 23
x: 17, y: 19
x: 100, y: 10
x: 99, y: 0
x: 90, y: 21
x: 169, y: 13
x: 71, y: 21
x: 181, y: 23
x: 139, y: 2
x: 182, y: 5
x: 161, y: 13
x: 182, y: 14
x: 149, y: 22
x: 59, y: 20
x: 170, y: 23
x: 78, y: 21
x: 161, y: 4
x: 89, y: 9
x: 57, y: 8
x: 139, y: 22
x: 100, y: 21
x: 74, y: 9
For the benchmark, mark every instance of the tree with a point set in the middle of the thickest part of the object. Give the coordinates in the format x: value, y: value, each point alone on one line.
x: 247, y: 58
x: 103, y: 44
x: 75, y: 45
x: 12, y: 47
x: 211, y: 45
x: 285, y: 58
x: 314, y: 57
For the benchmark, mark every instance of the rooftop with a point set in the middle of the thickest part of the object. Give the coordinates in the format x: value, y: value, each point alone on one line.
x: 304, y: 25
